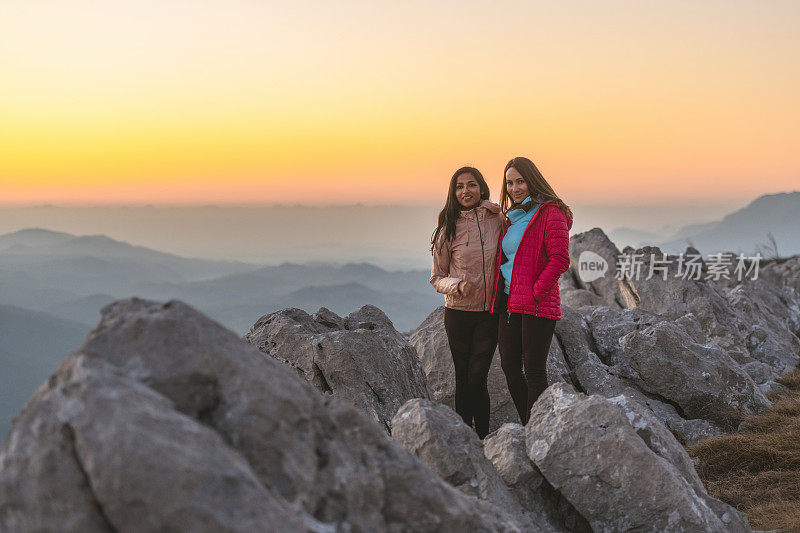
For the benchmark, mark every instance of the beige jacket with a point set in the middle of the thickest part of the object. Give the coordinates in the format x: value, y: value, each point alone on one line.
x: 463, y: 267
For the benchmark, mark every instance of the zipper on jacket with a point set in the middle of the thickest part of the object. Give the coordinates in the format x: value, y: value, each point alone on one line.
x: 483, y: 257
x: 467, y: 234
x: 513, y: 268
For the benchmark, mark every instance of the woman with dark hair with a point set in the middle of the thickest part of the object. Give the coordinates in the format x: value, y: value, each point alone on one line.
x: 464, y: 248
x: 532, y: 253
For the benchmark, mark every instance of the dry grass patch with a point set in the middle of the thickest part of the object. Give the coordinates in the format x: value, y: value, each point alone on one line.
x: 758, y: 470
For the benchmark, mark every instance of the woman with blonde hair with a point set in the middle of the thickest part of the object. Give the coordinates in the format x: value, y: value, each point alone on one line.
x: 532, y: 253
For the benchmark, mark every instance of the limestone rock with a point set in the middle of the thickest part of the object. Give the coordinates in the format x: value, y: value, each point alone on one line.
x: 651, y: 359
x: 505, y: 448
x: 619, y: 467
x: 440, y: 438
x: 728, y: 313
x: 99, y: 452
x: 611, y: 291
x: 784, y: 273
x: 660, y: 358
x: 361, y: 358
x: 164, y: 420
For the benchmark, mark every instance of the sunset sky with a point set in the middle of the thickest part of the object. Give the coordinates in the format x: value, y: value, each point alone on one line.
x: 318, y: 102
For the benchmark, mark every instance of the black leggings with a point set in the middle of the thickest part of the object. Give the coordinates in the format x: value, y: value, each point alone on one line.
x: 524, y: 342
x: 473, y: 338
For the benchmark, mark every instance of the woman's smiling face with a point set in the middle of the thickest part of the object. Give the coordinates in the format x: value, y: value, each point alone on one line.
x: 516, y: 187
x: 468, y: 191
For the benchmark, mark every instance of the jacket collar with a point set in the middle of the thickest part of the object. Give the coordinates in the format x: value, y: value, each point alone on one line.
x: 522, y: 209
x: 482, y: 208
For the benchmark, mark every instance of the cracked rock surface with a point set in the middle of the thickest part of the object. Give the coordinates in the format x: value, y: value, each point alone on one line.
x: 700, y: 354
x: 360, y: 358
x: 163, y: 420
x: 619, y: 466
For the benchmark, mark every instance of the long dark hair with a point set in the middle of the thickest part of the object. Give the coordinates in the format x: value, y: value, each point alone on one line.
x: 537, y: 185
x: 449, y: 214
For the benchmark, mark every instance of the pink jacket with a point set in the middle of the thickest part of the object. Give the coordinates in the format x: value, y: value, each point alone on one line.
x: 464, y: 267
x: 542, y: 256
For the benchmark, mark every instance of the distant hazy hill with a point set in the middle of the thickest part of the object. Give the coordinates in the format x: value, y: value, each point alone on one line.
x: 32, y: 345
x: 239, y: 299
x: 50, y: 251
x: 393, y: 237
x: 746, y: 229
x: 85, y: 309
x: 73, y: 277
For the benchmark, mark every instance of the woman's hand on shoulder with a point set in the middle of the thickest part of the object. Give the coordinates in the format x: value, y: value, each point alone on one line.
x: 491, y: 206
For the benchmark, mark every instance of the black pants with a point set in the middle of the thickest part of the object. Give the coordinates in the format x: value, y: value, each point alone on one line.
x: 524, y: 342
x: 473, y: 338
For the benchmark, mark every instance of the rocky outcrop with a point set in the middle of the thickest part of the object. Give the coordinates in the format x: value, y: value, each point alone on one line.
x: 360, y: 358
x: 619, y: 467
x: 440, y: 438
x: 753, y: 320
x: 772, y: 313
x: 594, y: 246
x: 163, y: 420
x: 700, y: 353
x: 583, y: 463
x: 697, y: 390
x: 784, y: 273
x: 505, y: 448
x: 661, y: 359
x: 99, y: 452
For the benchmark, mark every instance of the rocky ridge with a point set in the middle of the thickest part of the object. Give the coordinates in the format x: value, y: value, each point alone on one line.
x: 164, y: 420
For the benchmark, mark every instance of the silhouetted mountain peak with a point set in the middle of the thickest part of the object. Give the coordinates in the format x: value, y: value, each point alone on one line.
x: 771, y: 201
x: 747, y: 229
x: 31, y: 237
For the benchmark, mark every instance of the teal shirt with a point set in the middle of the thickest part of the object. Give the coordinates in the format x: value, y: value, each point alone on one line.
x: 519, y: 221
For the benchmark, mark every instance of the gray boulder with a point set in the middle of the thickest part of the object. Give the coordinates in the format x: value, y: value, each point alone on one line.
x: 619, y: 467
x: 697, y: 390
x: 607, y: 289
x: 505, y: 448
x: 784, y: 273
x: 440, y: 438
x: 581, y: 297
x: 661, y: 359
x: 772, y: 313
x: 673, y: 295
x: 728, y: 313
x: 163, y: 420
x: 360, y: 358
x: 99, y: 452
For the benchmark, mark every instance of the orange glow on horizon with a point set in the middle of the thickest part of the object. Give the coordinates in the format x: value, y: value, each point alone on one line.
x: 241, y: 103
